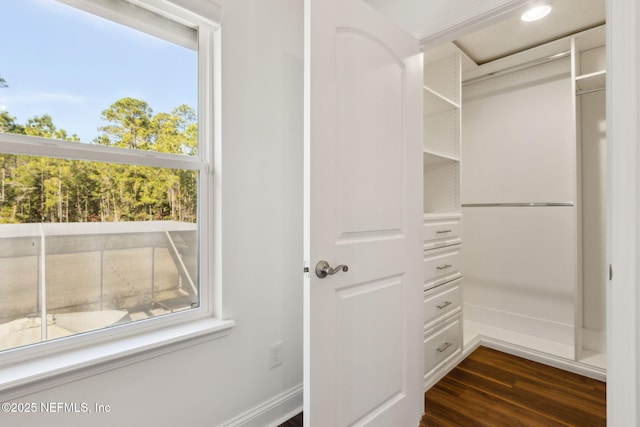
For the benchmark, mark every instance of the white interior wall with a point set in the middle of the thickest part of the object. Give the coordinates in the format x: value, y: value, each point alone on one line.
x: 211, y: 383
x: 518, y: 137
x: 594, y: 167
x: 520, y: 263
x: 592, y: 122
x: 519, y: 272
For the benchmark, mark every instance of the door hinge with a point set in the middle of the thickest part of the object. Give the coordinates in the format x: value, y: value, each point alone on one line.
x: 610, y: 272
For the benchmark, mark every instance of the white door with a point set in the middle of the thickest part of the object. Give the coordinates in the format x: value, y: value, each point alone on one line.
x: 363, y: 209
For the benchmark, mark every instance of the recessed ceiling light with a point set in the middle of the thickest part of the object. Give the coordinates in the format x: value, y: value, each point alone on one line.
x: 536, y: 13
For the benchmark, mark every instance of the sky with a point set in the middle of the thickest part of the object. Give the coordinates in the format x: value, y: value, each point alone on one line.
x: 72, y: 65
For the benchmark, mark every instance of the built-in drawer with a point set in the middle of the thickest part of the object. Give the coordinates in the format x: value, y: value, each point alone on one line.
x: 442, y: 344
x: 440, y: 231
x: 441, y: 301
x: 441, y: 266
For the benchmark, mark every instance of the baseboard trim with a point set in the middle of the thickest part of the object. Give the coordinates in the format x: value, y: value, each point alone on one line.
x: 443, y: 370
x: 272, y: 412
x: 518, y: 323
x: 537, y: 356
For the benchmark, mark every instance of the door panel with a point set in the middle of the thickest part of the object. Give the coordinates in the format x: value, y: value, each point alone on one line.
x: 369, y: 100
x: 363, y: 208
x: 371, y: 311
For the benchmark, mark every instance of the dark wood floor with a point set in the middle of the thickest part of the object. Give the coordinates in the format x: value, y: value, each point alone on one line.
x: 293, y: 422
x: 491, y: 388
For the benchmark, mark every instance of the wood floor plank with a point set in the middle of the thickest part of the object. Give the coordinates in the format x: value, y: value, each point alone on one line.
x: 508, y: 364
x: 494, y: 388
x: 554, y: 380
x: 571, y: 407
x: 561, y: 402
x: 481, y: 408
x: 296, y: 421
x: 524, y: 367
x: 497, y: 395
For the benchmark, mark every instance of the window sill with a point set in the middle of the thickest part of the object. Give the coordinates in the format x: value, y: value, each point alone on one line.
x: 23, y: 378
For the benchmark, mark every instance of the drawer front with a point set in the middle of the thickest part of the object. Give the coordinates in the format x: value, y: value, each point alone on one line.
x: 441, y: 301
x: 441, y: 266
x: 442, y: 344
x: 437, y: 233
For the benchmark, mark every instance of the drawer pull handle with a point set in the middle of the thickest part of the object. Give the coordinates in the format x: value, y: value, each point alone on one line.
x: 443, y: 347
x: 445, y: 304
x: 443, y: 231
x: 444, y: 266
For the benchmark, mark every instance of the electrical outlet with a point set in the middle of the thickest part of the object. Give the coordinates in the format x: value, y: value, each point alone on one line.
x: 275, y: 355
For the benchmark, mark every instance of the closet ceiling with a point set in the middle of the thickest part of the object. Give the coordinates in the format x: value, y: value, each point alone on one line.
x: 512, y: 35
x: 503, y: 38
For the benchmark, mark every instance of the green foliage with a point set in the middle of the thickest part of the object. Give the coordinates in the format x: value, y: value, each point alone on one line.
x: 8, y: 124
x: 41, y: 189
x: 130, y: 126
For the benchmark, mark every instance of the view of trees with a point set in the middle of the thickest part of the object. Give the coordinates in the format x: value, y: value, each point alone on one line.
x: 42, y: 189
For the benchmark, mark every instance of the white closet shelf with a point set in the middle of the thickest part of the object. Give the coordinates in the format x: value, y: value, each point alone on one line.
x: 443, y: 215
x: 475, y: 329
x: 435, y: 103
x: 431, y: 157
x: 592, y: 358
x: 591, y: 81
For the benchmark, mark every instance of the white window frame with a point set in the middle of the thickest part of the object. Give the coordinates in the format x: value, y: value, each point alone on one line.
x: 40, y: 366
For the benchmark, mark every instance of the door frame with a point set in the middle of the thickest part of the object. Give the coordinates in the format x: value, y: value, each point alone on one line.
x: 623, y: 211
x: 623, y: 204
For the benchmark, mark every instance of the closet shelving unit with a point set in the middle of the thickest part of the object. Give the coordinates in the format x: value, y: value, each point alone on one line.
x: 441, y: 150
x: 586, y: 353
x: 442, y: 232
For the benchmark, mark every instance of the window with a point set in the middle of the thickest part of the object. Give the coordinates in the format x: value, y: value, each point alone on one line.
x: 106, y: 174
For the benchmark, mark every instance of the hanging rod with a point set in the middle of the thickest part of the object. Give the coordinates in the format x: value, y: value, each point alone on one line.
x: 517, y: 205
x: 584, y: 92
x: 518, y: 67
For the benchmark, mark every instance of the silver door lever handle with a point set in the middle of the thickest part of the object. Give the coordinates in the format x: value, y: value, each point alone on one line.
x: 323, y: 269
